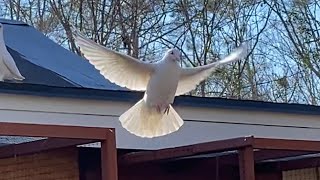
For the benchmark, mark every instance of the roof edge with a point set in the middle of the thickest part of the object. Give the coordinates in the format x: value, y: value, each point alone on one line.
x: 12, y: 22
x: 132, y: 97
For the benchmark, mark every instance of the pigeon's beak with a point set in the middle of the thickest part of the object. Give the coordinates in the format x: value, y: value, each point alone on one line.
x: 178, y: 59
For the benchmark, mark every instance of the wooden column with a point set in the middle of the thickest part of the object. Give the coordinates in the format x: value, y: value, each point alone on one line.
x: 246, y: 163
x: 109, y: 166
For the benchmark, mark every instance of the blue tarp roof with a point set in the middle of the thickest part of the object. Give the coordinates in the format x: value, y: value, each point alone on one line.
x: 44, y: 62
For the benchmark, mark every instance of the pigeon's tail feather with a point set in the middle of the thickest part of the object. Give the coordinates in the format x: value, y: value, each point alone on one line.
x: 143, y: 121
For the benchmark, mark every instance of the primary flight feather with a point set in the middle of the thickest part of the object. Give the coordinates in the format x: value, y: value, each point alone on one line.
x: 153, y: 115
x: 8, y: 68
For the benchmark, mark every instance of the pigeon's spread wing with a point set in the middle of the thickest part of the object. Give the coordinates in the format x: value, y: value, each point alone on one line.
x: 191, y: 77
x: 118, y: 68
x: 11, y: 65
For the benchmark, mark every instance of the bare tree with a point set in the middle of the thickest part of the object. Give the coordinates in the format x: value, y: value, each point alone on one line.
x: 283, y: 36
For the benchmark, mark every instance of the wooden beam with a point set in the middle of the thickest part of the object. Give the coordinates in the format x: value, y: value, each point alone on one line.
x: 246, y: 163
x: 58, y: 131
x: 262, y: 155
x: 308, y: 162
x: 286, y: 144
x: 183, y: 151
x: 109, y: 166
x: 39, y: 146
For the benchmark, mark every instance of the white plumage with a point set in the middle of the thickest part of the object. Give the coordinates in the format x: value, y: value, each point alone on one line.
x: 8, y: 68
x: 152, y: 116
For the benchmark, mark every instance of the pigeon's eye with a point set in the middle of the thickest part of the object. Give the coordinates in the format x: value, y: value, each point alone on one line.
x: 171, y: 52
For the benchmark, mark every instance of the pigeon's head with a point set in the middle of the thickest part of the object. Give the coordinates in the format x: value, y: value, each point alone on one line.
x: 173, y: 54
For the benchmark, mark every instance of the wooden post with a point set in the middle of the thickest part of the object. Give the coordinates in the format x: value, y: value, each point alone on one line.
x: 246, y: 163
x: 109, y: 166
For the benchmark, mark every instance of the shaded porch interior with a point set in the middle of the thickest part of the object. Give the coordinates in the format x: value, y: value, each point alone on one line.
x: 36, y: 151
x: 245, y: 158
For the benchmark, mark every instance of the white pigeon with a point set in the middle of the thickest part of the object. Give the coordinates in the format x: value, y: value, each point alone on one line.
x: 152, y: 116
x: 8, y: 68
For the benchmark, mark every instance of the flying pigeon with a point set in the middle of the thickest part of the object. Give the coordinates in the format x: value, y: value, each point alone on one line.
x: 8, y: 68
x: 153, y: 115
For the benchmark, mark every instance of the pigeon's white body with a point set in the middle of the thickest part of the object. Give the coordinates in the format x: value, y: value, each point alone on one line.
x: 152, y: 116
x: 8, y: 68
x: 147, y: 117
x: 163, y: 83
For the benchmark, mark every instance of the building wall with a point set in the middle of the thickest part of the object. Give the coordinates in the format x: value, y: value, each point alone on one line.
x: 61, y: 164
x: 201, y: 124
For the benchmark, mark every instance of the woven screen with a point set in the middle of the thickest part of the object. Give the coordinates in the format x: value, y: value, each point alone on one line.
x: 60, y: 164
x: 301, y: 174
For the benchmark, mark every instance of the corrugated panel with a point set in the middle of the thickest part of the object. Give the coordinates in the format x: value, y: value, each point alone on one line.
x: 301, y: 174
x: 92, y: 145
x: 17, y: 139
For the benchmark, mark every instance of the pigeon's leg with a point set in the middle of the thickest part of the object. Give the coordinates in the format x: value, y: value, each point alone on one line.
x: 166, y: 110
x: 158, y: 108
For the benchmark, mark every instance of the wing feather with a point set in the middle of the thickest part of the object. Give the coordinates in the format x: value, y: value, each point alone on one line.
x: 11, y: 65
x: 191, y: 77
x: 118, y: 68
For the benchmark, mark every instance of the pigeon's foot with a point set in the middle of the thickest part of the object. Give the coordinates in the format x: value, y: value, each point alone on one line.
x: 167, y: 110
x: 160, y: 107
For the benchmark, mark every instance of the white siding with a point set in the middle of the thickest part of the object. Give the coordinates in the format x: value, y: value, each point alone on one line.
x: 202, y: 124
